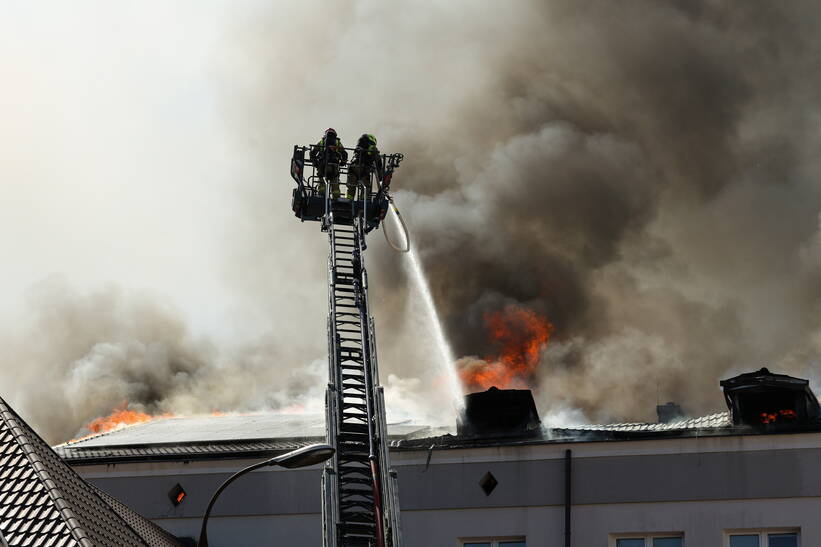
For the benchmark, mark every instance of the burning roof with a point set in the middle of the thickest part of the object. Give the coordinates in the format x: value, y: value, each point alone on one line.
x: 496, y: 418
x: 215, y: 436
x: 763, y: 398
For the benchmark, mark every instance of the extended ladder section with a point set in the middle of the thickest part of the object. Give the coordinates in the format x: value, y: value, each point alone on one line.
x: 359, y: 488
x: 360, y: 502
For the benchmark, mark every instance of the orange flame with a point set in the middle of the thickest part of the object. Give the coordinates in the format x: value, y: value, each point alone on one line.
x: 781, y: 415
x: 118, y: 419
x: 521, y: 335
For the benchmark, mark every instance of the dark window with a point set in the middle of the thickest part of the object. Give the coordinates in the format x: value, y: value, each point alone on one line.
x: 764, y: 539
x: 782, y: 540
x: 772, y: 407
x: 488, y: 483
x: 630, y: 542
x: 494, y: 542
x: 176, y: 494
x: 746, y: 540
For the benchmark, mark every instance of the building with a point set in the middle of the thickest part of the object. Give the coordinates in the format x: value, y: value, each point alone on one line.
x: 746, y: 477
x: 43, y: 502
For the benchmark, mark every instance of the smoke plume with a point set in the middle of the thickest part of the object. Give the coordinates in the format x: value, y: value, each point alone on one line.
x: 642, y: 174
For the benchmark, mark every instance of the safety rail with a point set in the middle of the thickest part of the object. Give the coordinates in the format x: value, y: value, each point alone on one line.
x: 311, y: 203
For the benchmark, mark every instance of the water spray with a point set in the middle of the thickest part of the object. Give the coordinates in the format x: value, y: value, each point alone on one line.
x: 404, y: 226
x: 446, y: 359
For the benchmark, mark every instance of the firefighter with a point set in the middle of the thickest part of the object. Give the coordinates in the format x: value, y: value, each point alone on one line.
x: 328, y: 167
x: 366, y: 160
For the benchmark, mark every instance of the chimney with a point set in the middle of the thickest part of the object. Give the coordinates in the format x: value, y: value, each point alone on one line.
x: 499, y: 413
x: 668, y: 412
x: 765, y: 399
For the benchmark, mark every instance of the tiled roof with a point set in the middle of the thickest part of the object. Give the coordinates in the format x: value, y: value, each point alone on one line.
x: 711, y: 421
x: 43, y: 502
x: 718, y: 424
x: 189, y: 451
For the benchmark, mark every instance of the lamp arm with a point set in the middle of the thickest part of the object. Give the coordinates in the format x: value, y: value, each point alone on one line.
x: 203, y: 541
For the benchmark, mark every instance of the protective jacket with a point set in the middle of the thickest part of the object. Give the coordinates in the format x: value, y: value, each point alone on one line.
x: 337, y: 151
x: 368, y: 157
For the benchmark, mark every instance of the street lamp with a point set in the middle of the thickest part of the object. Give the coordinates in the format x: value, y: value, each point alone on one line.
x: 301, y: 457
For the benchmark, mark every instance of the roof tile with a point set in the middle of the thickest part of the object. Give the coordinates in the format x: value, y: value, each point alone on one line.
x: 43, y: 502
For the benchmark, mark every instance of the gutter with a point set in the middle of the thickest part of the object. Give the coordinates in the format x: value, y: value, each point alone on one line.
x: 568, y: 475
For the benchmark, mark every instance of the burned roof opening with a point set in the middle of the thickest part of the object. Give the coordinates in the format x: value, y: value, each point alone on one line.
x: 763, y: 398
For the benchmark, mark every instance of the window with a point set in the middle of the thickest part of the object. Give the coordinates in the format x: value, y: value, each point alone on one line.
x: 763, y: 538
x: 648, y: 540
x: 494, y: 542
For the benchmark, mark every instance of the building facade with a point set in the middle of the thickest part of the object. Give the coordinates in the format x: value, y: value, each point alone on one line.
x: 702, y: 485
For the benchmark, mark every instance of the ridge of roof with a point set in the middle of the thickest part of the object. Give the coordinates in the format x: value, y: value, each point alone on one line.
x: 12, y: 422
x: 45, y: 502
x: 710, y: 421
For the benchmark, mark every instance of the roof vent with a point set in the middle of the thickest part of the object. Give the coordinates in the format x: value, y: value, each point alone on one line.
x: 669, y: 412
x: 763, y: 398
x: 499, y: 413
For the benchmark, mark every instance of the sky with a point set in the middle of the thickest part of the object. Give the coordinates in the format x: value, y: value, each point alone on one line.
x: 145, y: 195
x: 114, y: 157
x: 642, y: 175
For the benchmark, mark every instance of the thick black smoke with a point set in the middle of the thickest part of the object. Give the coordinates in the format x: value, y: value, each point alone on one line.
x: 645, y: 175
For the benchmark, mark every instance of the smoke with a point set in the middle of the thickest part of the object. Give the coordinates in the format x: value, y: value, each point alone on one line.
x: 641, y: 173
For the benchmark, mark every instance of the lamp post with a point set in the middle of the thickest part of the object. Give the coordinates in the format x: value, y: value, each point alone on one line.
x: 301, y: 457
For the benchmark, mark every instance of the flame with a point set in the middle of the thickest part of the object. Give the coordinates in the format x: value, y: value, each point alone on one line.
x: 121, y: 417
x: 786, y: 415
x: 521, y: 335
x: 117, y: 420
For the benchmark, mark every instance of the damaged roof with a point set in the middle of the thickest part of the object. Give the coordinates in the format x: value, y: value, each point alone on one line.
x: 204, y: 437
x: 43, y: 502
x: 264, y: 435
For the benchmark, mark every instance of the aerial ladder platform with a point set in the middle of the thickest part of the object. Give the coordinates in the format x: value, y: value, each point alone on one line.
x: 360, y: 501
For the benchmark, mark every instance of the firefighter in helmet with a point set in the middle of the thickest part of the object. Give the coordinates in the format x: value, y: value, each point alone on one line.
x: 327, y: 156
x: 366, y: 161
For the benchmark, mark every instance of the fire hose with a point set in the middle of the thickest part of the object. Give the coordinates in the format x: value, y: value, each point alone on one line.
x: 398, y: 215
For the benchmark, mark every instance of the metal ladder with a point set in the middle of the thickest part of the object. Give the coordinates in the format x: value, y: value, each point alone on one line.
x: 360, y: 506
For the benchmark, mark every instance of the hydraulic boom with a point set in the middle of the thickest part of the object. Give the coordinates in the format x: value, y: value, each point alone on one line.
x: 360, y: 503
